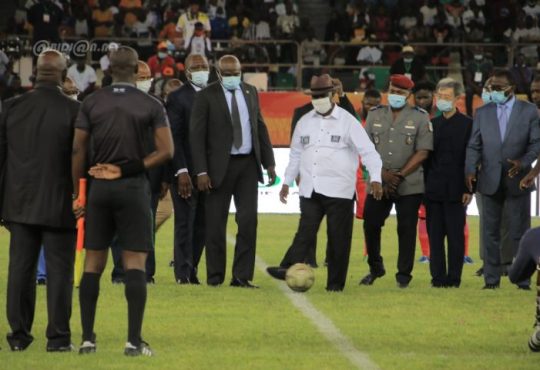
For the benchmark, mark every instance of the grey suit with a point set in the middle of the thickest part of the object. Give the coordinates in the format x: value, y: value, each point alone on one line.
x: 211, y: 137
x: 521, y: 141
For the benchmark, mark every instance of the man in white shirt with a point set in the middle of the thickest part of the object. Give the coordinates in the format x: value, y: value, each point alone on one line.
x: 84, y: 77
x: 324, y: 152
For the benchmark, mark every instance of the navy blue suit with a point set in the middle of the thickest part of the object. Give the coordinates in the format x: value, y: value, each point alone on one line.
x: 188, y: 213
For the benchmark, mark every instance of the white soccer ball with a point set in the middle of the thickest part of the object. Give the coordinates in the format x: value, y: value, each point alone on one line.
x: 300, y: 277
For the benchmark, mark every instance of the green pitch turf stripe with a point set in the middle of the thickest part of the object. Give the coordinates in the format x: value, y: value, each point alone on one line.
x: 327, y: 328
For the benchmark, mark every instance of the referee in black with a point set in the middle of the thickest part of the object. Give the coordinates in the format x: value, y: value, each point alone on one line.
x: 115, y: 121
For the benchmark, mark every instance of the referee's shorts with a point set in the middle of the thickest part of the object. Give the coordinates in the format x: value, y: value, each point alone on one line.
x: 122, y: 208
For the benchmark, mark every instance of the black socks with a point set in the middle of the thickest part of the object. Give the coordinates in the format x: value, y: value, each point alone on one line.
x: 88, y: 295
x: 135, y: 291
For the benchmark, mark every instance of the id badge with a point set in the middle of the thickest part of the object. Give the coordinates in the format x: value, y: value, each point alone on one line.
x: 408, y: 75
x: 478, y: 77
x: 46, y: 18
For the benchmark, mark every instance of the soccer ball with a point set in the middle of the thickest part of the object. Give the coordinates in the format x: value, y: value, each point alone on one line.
x: 300, y: 277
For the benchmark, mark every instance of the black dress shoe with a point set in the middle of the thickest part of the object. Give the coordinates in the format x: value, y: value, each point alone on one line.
x: 150, y: 280
x: 491, y: 286
x: 479, y: 272
x: 334, y: 288
x: 68, y: 348
x: 194, y: 280
x: 240, y: 283
x: 277, y: 272
x: 118, y: 281
x: 402, y: 285
x: 182, y: 281
x: 370, y: 278
x: 524, y: 287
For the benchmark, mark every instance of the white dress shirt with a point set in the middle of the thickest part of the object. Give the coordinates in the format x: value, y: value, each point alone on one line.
x: 324, y: 152
x: 244, y: 120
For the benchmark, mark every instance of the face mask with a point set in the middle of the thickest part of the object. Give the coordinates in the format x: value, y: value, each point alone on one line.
x: 408, y: 60
x: 73, y: 96
x: 144, y: 86
x: 396, y: 101
x: 445, y: 105
x: 498, y: 97
x: 200, y: 78
x: 486, y: 96
x: 162, y: 55
x: 478, y: 57
x: 322, y: 105
x: 230, y: 82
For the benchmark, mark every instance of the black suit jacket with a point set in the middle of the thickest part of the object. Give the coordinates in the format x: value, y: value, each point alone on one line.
x: 179, y: 104
x: 344, y: 103
x: 211, y: 132
x: 36, y: 138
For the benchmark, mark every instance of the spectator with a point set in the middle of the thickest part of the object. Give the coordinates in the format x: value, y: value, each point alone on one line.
x: 160, y: 61
x: 369, y: 54
x: 170, y: 32
x: 473, y: 14
x: 238, y: 22
x: 84, y: 77
x: 477, y: 71
x: 82, y: 28
x: 103, y: 19
x: 105, y: 63
x: 45, y: 18
x: 381, y: 24
x: 527, y: 31
x: 212, y: 9
x: 532, y: 8
x: 429, y: 11
x: 142, y: 30
x: 409, y: 65
x: 288, y: 22
x: 522, y: 75
x: 281, y: 8
x: 220, y: 26
x: 407, y: 21
x: 338, y: 28
x: 420, y: 33
x: 186, y: 22
x: 199, y: 43
x: 423, y: 97
x: 259, y: 29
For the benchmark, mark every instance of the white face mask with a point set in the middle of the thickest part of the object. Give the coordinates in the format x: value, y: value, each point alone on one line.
x: 74, y: 96
x: 322, y: 105
x: 200, y: 78
x: 144, y: 85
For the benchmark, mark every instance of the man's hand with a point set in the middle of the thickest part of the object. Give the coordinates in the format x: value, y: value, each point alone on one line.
x: 470, y: 179
x: 204, y: 183
x: 466, y: 199
x: 164, y: 189
x: 528, y: 180
x: 105, y: 171
x: 271, y: 175
x: 392, y: 179
x: 516, y: 167
x: 184, y: 185
x: 78, y: 211
x: 376, y: 190
x: 284, y: 193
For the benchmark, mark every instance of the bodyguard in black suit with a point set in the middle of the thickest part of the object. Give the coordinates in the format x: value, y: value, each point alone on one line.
x: 188, y: 202
x: 446, y: 196
x: 229, y: 143
x: 36, y: 134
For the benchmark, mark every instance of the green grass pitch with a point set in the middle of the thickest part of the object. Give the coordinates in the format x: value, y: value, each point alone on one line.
x: 198, y: 327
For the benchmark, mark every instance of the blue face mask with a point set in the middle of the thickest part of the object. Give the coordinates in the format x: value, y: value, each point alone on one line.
x: 444, y: 105
x: 498, y: 97
x: 397, y: 101
x: 230, y: 82
x: 200, y: 78
x: 486, y: 96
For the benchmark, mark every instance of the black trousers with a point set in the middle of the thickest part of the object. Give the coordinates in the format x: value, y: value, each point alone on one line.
x: 240, y: 183
x: 59, y: 249
x: 446, y: 220
x: 189, y: 218
x: 116, y: 251
x: 339, y: 218
x: 375, y: 214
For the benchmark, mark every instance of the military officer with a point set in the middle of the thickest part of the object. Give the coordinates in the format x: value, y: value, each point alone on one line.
x: 403, y: 136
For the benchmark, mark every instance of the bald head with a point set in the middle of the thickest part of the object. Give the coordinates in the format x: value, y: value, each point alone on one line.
x: 124, y: 64
x: 229, y: 65
x: 196, y: 62
x: 51, y: 65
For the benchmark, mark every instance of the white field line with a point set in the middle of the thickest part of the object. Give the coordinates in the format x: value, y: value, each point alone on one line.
x: 325, y: 326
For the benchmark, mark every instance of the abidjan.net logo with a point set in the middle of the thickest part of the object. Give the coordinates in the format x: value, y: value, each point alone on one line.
x: 78, y: 49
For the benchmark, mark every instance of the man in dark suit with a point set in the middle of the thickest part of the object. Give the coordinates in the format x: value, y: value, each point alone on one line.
x: 36, y: 133
x: 188, y: 202
x: 505, y: 140
x: 229, y: 143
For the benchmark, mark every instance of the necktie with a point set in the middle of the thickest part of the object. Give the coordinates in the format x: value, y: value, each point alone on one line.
x: 235, y: 117
x: 503, y: 120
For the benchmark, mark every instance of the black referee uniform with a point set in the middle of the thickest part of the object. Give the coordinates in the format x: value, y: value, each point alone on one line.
x: 120, y: 120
